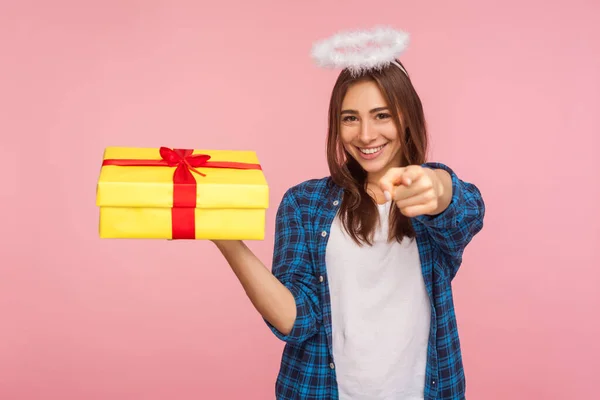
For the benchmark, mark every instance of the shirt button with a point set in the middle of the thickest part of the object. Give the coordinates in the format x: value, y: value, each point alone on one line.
x: 321, y: 278
x: 331, y: 366
x: 323, y: 233
x: 433, y: 382
x: 335, y: 203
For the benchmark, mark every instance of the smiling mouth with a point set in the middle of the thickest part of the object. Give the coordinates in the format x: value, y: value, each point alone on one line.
x: 371, y: 150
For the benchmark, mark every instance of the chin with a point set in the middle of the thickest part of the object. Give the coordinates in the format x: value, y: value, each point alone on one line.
x: 372, y: 167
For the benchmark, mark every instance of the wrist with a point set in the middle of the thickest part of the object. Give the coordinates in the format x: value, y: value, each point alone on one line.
x: 443, y: 182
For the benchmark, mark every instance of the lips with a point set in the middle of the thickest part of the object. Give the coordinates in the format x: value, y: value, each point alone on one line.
x: 369, y: 153
x: 371, y: 150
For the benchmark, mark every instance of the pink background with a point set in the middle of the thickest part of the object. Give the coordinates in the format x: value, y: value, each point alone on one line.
x: 512, y: 94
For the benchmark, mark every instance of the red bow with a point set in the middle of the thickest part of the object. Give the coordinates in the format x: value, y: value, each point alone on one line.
x: 185, y: 162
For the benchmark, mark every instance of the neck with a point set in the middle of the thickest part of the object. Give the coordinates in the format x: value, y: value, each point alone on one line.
x: 373, y: 188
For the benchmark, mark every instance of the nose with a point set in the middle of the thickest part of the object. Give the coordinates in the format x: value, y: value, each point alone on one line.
x: 367, y: 132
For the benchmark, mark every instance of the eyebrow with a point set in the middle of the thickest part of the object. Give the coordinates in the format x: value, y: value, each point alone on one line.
x: 354, y: 112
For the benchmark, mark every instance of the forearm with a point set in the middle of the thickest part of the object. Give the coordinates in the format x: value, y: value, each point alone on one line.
x: 269, y: 296
x: 459, y: 216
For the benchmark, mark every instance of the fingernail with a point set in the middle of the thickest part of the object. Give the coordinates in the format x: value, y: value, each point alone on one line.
x: 387, y: 195
x: 408, y: 181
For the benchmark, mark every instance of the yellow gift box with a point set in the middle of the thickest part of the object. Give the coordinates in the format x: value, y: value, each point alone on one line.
x: 164, y: 193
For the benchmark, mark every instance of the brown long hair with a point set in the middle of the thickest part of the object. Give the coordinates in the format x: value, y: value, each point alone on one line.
x: 358, y: 210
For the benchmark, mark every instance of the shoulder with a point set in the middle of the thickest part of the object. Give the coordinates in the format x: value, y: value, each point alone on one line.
x: 311, y: 192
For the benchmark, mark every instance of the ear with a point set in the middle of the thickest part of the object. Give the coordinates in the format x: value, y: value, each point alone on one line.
x: 401, y: 118
x: 403, y: 128
x: 344, y: 152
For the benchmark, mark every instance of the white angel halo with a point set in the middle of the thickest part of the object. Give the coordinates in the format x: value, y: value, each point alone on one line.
x: 361, y: 50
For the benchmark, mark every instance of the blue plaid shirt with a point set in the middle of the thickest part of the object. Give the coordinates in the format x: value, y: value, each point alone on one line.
x: 303, y: 221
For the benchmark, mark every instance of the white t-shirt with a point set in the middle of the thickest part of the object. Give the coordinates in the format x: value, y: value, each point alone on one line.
x: 380, y: 315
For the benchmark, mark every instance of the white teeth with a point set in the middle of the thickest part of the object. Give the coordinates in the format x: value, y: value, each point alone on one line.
x: 371, y: 151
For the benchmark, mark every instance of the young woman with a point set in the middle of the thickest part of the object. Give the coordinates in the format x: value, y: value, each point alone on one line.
x: 360, y: 288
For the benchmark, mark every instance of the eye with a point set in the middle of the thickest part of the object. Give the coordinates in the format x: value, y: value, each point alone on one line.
x: 383, y: 116
x: 349, y: 118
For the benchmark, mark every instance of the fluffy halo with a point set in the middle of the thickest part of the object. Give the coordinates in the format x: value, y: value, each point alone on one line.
x: 360, y: 51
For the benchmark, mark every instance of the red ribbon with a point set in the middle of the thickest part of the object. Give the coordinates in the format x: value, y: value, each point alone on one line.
x: 183, y: 223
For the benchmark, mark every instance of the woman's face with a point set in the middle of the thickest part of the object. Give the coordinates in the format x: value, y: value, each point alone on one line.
x: 368, y: 131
